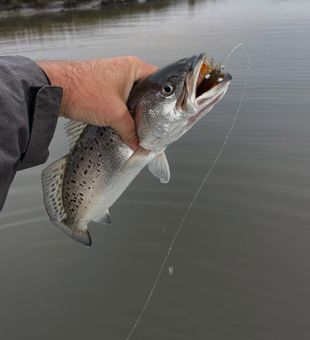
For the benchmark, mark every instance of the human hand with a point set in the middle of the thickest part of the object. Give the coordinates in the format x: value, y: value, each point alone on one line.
x: 96, y: 91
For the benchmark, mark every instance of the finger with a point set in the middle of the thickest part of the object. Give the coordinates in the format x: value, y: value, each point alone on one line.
x: 124, y: 124
x: 143, y: 70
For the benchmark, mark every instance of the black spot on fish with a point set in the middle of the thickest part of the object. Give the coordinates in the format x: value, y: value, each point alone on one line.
x: 73, y: 181
x: 90, y: 161
x: 85, y: 172
x: 98, y: 170
x: 89, y: 166
x: 111, y: 140
x: 91, y: 148
x: 107, y: 144
x: 84, y: 182
x: 89, y: 188
x: 96, y: 141
x: 81, y: 185
x: 100, y: 155
x: 74, y: 171
x: 101, y: 134
x: 82, y: 158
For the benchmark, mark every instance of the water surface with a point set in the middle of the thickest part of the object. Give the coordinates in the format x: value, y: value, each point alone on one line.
x: 240, y: 266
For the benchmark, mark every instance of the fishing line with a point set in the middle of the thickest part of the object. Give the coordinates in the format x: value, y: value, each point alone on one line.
x: 202, y: 184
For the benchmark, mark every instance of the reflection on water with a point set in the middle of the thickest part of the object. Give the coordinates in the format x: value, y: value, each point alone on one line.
x: 239, y: 268
x: 46, y: 22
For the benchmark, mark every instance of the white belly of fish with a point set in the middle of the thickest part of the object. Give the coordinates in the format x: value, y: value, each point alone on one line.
x: 113, y: 187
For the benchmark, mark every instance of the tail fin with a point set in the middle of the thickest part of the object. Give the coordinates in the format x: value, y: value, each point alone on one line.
x: 52, y: 184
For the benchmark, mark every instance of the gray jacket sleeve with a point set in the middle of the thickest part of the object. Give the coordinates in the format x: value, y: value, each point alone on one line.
x: 29, y: 108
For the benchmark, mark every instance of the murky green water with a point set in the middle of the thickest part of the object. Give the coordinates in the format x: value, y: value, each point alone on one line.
x: 240, y: 266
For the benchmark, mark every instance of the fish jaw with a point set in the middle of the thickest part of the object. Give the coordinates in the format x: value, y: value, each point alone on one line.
x: 206, y: 86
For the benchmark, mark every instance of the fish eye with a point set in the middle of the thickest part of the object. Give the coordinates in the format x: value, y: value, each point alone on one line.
x: 168, y: 89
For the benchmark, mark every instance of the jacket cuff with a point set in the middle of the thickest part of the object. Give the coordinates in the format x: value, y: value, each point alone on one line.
x: 44, y: 120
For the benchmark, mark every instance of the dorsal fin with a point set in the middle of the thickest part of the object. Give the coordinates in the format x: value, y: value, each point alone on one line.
x: 73, y: 131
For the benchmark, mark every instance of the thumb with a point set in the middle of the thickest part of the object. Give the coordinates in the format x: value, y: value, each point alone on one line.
x: 125, y: 126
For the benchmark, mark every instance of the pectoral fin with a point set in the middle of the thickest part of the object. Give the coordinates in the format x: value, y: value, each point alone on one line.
x: 159, y: 167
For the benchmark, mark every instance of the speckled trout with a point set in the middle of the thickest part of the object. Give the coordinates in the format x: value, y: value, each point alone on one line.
x: 83, y: 185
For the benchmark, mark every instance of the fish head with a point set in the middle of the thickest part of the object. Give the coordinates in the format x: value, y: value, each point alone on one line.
x: 170, y: 101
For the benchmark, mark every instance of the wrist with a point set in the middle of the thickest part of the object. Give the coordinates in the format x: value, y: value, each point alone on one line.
x: 64, y: 75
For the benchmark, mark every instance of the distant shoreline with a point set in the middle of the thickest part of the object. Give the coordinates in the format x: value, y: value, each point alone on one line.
x: 39, y: 6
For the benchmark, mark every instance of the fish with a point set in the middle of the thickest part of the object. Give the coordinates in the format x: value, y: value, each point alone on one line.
x: 83, y: 185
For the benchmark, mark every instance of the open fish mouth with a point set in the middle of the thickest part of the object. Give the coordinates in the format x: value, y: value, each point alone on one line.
x: 205, y: 85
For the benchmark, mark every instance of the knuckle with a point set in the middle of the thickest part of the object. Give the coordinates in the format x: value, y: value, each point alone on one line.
x: 119, y: 115
x: 135, y: 61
